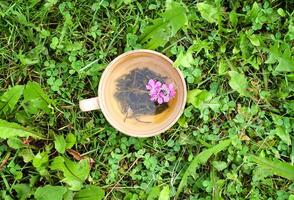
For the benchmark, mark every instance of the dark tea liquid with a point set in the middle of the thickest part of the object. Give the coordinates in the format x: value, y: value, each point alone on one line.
x: 133, y: 97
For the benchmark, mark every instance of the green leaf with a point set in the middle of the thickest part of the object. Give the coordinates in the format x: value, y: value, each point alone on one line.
x: 281, y: 12
x: 91, y: 192
x: 40, y: 162
x: 201, y: 158
x: 244, y: 46
x: 292, y: 153
x: 23, y: 191
x: 60, y: 143
x: 213, y: 104
x: 154, y: 193
x: 9, y: 99
x: 253, y: 61
x: 286, y: 61
x: 27, y: 155
x: 285, y: 136
x: 261, y: 173
x: 201, y: 99
x: 176, y: 17
x: 238, y: 82
x: 186, y: 59
x: 70, y: 140
x: 54, y: 42
x: 69, y: 195
x: 35, y: 99
x: 21, y: 18
x: 74, y: 173
x: 252, y: 15
x: 233, y: 18
x: 5, y: 196
x: 15, y: 143
x: 290, y: 33
x: 183, y: 122
x: 222, y: 67
x: 10, y: 130
x: 50, y: 192
x: 276, y: 167
x: 217, y: 185
x: 254, y: 40
x: 219, y: 165
x: 208, y: 12
x: 158, y: 34
x: 191, y: 97
x: 164, y: 194
x: 27, y: 59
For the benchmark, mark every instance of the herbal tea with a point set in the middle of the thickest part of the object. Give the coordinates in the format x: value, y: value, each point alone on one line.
x: 134, y: 100
x: 143, y: 93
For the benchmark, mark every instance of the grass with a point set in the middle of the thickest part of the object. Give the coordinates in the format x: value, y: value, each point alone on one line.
x: 234, y: 140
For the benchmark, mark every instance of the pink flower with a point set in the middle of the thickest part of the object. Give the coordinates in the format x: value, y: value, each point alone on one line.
x: 172, y: 90
x: 153, y: 86
x: 164, y: 94
x: 160, y: 93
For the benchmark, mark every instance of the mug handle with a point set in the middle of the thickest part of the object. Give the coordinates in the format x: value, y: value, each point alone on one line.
x: 89, y: 104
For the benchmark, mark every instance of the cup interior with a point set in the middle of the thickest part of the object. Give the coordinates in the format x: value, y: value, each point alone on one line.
x: 130, y: 122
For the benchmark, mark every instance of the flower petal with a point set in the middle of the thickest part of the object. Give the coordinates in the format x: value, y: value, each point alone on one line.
x: 172, y: 90
x: 166, y: 98
x: 153, y: 97
x: 153, y: 92
x: 160, y: 100
x: 164, y: 87
x: 151, y: 82
x: 171, y: 86
x: 158, y: 84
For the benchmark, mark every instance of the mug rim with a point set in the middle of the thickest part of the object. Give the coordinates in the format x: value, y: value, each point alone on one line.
x: 104, y: 78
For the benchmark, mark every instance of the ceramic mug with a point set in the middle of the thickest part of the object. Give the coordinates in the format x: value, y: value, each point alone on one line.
x: 121, y: 65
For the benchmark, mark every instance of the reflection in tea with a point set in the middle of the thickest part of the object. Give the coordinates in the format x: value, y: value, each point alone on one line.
x: 132, y: 96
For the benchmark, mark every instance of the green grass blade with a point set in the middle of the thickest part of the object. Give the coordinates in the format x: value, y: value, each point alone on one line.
x: 10, y: 130
x: 9, y: 99
x: 217, y: 185
x: 201, y: 158
x: 277, y: 167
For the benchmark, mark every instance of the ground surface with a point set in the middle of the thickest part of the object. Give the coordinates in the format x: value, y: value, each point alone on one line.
x: 234, y: 140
